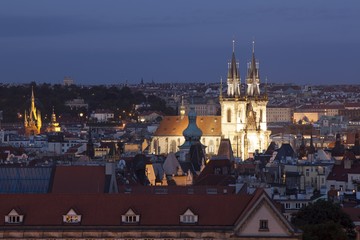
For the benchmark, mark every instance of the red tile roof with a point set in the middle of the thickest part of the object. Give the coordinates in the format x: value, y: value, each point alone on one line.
x: 79, y: 179
x: 339, y: 173
x: 106, y: 209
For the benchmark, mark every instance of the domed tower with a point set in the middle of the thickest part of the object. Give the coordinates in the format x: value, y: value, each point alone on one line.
x: 192, y: 135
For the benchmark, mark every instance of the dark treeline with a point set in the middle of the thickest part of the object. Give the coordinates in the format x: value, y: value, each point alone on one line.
x: 14, y: 100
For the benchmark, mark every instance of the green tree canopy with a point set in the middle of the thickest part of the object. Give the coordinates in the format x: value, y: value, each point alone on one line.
x: 324, y: 220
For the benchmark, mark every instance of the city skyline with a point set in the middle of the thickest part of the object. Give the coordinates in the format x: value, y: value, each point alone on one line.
x: 178, y: 41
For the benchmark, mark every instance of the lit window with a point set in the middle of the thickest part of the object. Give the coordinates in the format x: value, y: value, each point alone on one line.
x: 130, y: 217
x: 72, y: 217
x: 188, y: 217
x: 263, y: 225
x: 14, y: 217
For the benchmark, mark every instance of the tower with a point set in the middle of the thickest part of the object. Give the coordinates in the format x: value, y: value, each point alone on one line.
x: 233, y: 77
x: 32, y: 121
x: 243, y: 117
x: 192, y: 135
x: 54, y: 125
x: 253, y: 78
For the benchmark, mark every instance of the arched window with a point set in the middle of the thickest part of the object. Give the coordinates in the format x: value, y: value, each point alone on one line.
x: 229, y: 115
x: 211, y: 146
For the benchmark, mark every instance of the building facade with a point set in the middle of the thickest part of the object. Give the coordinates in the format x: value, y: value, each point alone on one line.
x: 143, y: 216
x: 242, y: 120
x: 243, y: 117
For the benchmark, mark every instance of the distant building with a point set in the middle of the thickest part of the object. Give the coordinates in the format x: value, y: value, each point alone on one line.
x: 77, y: 104
x: 68, y: 81
x: 312, y: 113
x: 202, y: 106
x: 102, y: 115
x: 277, y: 114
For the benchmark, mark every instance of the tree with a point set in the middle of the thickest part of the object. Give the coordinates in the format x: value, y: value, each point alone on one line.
x: 324, y: 220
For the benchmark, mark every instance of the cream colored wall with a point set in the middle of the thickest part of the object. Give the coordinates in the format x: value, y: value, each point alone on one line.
x: 275, y: 114
x: 165, y: 145
x: 276, y: 227
x: 312, y: 116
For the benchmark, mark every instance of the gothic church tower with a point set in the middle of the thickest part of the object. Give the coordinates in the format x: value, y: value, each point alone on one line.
x: 32, y: 121
x: 243, y: 117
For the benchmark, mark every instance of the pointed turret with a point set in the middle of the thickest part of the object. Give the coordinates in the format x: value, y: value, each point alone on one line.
x: 302, y: 149
x: 233, y: 78
x: 32, y: 122
x: 182, y: 108
x: 32, y: 100
x: 53, y: 116
x: 311, y: 149
x: 253, y: 79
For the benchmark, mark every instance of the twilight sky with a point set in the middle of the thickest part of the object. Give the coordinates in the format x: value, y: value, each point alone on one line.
x: 113, y: 41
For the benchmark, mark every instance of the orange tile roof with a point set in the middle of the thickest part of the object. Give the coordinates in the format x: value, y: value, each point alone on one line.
x: 175, y: 125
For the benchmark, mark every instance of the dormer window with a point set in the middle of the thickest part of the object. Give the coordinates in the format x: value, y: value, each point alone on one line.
x: 71, y: 217
x: 188, y: 217
x: 130, y: 217
x: 14, y: 217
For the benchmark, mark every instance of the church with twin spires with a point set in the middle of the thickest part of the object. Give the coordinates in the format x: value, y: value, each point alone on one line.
x: 242, y: 119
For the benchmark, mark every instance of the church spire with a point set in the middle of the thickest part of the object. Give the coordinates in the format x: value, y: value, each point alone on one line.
x: 233, y: 78
x: 253, y: 79
x: 32, y: 99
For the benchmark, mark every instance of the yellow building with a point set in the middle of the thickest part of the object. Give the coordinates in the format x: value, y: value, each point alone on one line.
x: 54, y: 125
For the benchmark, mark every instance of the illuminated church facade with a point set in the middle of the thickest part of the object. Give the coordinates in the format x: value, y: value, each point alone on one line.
x: 242, y: 119
x: 243, y: 116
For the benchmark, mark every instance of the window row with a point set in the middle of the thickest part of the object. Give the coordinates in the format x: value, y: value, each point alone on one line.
x: 71, y: 217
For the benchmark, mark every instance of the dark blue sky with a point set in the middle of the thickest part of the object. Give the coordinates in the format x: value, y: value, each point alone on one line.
x: 108, y: 41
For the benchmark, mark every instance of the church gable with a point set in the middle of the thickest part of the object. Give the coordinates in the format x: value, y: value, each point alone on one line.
x: 263, y: 219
